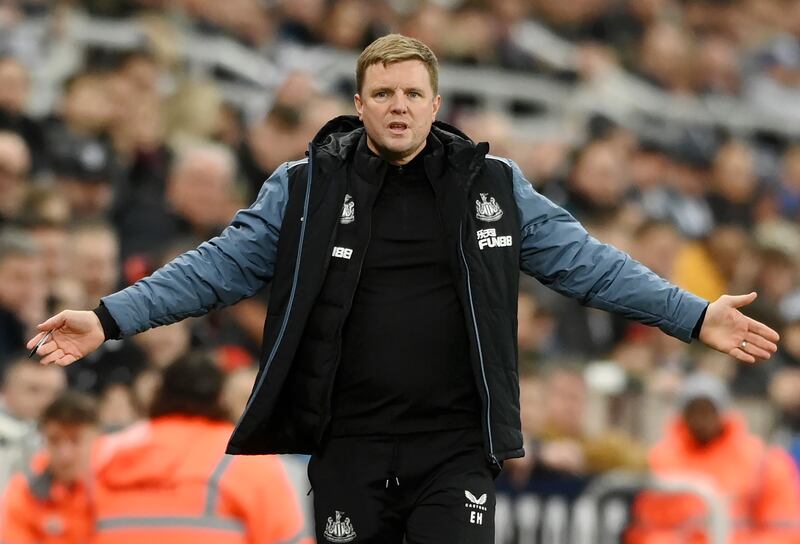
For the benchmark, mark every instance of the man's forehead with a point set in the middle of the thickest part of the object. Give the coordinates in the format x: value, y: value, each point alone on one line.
x: 401, y: 73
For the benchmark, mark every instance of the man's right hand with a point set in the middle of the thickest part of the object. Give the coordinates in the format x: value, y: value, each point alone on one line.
x: 74, y: 335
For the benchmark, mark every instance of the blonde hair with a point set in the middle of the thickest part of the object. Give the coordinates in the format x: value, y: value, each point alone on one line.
x: 396, y: 48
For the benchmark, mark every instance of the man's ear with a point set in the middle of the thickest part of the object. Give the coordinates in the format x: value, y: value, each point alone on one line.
x: 437, y: 103
x: 359, y: 104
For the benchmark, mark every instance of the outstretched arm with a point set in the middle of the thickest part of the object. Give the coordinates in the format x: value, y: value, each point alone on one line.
x: 558, y: 251
x: 219, y: 272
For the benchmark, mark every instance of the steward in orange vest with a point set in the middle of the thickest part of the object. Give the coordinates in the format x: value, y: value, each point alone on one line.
x: 169, y: 481
x: 759, y: 484
x: 50, y: 502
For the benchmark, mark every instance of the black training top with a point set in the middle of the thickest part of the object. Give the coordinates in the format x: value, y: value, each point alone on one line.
x: 405, y: 363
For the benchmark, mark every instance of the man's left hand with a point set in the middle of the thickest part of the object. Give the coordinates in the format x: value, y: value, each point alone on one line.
x: 728, y: 330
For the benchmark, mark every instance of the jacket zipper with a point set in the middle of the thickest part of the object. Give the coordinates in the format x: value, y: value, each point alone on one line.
x: 478, y: 340
x: 292, y: 293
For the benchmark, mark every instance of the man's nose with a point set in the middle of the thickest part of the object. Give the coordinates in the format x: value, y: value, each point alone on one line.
x: 399, y: 103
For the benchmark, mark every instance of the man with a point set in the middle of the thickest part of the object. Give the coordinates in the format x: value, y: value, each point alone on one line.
x: 390, y: 341
x: 708, y: 443
x: 15, y: 163
x: 196, y: 203
x: 50, y: 504
x: 22, y: 290
x: 26, y: 390
x: 168, y: 480
x: 14, y: 92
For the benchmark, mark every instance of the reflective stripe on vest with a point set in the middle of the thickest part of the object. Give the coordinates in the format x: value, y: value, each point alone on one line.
x: 213, y: 484
x: 767, y: 525
x: 206, y: 520
x: 172, y: 522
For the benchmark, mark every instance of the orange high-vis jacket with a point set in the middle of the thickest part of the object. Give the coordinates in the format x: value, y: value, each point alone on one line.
x: 760, y: 485
x: 169, y: 481
x: 37, y: 510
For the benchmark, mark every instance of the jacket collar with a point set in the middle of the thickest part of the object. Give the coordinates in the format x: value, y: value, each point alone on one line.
x: 344, y: 136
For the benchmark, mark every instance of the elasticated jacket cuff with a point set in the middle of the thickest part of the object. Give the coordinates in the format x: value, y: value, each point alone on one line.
x: 110, y: 327
x: 699, y: 324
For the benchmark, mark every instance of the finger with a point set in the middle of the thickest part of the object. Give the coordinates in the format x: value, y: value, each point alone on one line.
x: 46, y: 348
x: 54, y: 322
x: 741, y: 355
x: 53, y: 357
x: 761, y: 342
x: 737, y: 301
x: 762, y: 330
x: 66, y: 360
x: 757, y: 352
x: 35, y: 340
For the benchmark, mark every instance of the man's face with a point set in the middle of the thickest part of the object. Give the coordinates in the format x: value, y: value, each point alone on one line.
x: 94, y: 264
x: 703, y: 419
x: 397, y: 105
x: 21, y: 282
x: 30, y: 388
x: 14, y: 167
x: 69, y: 447
x: 200, y: 192
x: 13, y: 86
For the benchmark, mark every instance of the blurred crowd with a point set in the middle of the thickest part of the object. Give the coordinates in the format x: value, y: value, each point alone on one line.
x: 139, y: 159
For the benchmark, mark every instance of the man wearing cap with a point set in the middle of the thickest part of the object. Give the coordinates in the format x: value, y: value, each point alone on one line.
x: 708, y: 442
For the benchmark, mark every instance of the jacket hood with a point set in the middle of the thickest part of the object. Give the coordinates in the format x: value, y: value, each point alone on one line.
x: 341, y: 134
x: 155, y: 453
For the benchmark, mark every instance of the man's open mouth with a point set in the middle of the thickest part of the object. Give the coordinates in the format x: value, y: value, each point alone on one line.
x: 397, y: 127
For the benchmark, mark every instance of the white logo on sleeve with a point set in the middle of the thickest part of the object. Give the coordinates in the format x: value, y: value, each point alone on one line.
x: 476, y: 507
x: 337, y: 530
x: 342, y: 252
x: 487, y: 210
x: 489, y: 238
x: 348, y: 210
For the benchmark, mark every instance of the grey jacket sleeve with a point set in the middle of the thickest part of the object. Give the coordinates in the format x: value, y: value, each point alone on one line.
x: 220, y: 272
x: 557, y: 250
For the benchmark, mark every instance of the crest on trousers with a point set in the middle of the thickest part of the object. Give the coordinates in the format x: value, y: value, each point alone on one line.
x: 337, y: 530
x: 348, y: 210
x: 487, y: 208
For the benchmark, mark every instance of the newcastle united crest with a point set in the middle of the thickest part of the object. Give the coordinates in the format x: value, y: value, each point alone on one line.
x: 487, y: 210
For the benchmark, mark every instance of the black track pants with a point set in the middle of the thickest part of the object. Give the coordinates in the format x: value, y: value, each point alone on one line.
x: 429, y: 488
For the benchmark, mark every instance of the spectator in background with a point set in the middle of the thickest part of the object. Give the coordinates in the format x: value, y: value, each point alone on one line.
x: 79, y: 151
x: 50, y: 503
x: 664, y: 57
x: 94, y: 259
x: 26, y: 390
x: 598, y: 184
x: 14, y: 91
x: 22, y: 289
x: 15, y: 162
x: 199, y: 199
x: 284, y: 133
x: 84, y: 174
x: 717, y: 70
x: 787, y: 195
x: 714, y: 264
x: 734, y: 185
x: 150, y: 486
x: 785, y: 379
x: 94, y: 272
x: 709, y: 443
x: 574, y: 449
x: 200, y: 191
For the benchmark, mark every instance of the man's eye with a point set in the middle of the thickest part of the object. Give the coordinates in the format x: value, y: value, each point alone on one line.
x: 380, y: 94
x: 414, y: 94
